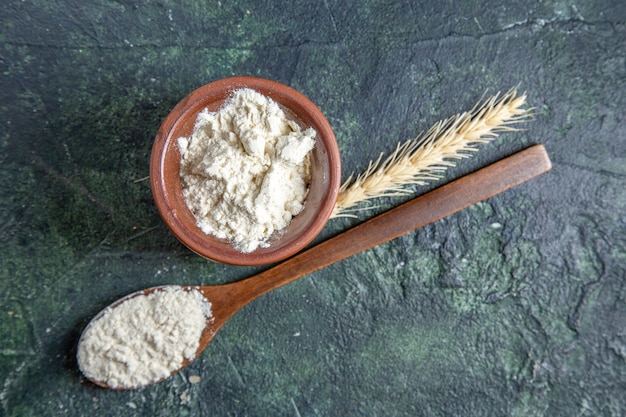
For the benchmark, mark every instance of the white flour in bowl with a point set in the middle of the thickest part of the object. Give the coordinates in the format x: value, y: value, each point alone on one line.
x: 245, y: 170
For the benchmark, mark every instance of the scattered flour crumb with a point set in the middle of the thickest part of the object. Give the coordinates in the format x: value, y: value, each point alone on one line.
x: 194, y: 379
x: 245, y: 170
x: 145, y: 338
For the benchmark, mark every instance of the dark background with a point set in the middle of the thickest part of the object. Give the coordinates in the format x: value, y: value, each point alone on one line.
x: 513, y: 307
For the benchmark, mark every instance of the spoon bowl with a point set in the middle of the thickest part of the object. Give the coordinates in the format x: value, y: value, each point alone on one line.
x: 227, y: 299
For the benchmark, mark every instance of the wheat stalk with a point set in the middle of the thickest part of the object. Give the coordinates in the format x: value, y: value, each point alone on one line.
x: 426, y: 158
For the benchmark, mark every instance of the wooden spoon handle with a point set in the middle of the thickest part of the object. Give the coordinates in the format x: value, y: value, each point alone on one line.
x: 444, y: 201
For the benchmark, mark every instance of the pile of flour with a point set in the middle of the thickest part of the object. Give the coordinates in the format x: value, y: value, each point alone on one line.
x: 245, y: 170
x: 145, y: 338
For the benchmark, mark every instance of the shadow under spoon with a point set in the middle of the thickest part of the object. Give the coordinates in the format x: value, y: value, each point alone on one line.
x: 225, y: 300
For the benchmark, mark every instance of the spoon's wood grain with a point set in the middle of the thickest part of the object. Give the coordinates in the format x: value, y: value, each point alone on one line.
x: 444, y: 201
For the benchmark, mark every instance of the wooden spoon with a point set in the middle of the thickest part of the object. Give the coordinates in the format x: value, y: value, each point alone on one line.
x: 227, y: 299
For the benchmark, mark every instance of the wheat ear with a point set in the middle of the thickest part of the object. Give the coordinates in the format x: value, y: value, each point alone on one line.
x: 425, y: 158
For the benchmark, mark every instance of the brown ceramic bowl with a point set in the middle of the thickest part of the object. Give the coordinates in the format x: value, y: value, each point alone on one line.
x: 166, y: 185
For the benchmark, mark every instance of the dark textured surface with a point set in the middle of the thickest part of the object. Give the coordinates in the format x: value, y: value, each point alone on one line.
x: 514, y: 307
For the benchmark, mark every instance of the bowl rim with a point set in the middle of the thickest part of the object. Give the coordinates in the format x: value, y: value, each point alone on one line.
x: 195, y: 239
